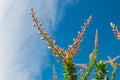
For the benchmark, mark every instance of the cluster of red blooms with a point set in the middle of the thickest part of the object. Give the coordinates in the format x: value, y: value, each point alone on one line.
x: 58, y: 51
x: 115, y: 30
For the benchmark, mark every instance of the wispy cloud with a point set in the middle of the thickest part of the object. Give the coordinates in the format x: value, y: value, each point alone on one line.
x: 21, y: 55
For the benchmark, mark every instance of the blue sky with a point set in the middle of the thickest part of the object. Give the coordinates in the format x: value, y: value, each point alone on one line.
x: 23, y: 56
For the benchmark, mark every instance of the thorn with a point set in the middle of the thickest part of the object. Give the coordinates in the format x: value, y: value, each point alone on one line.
x: 116, y: 58
x: 109, y: 57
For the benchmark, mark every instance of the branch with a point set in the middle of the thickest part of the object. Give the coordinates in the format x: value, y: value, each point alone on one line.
x: 70, y: 71
x: 74, y: 49
x: 93, y: 57
x: 57, y: 51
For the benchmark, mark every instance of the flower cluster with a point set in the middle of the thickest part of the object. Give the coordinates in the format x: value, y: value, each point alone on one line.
x: 74, y: 49
x: 101, y: 70
x: 58, y: 51
x: 115, y: 30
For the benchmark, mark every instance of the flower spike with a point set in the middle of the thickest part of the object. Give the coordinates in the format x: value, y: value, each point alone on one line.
x: 57, y: 51
x: 76, y: 42
x: 96, y: 39
x: 115, y: 30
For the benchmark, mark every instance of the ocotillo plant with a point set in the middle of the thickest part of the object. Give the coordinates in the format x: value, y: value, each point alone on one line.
x: 67, y: 56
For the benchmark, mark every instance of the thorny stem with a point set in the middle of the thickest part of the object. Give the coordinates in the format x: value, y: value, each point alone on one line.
x: 114, y: 65
x: 92, y: 60
x: 113, y: 73
x: 90, y: 66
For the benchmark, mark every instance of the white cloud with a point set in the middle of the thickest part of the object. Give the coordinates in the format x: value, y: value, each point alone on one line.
x: 18, y: 58
x: 21, y: 55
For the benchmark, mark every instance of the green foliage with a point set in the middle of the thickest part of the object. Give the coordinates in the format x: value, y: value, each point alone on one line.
x: 101, y: 70
x: 70, y: 72
x: 92, y: 62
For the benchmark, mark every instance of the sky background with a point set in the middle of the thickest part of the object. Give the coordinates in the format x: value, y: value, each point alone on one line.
x: 23, y: 56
